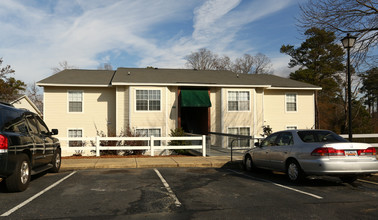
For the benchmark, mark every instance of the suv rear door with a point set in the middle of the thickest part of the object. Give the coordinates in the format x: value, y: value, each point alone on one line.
x: 48, y: 140
x: 38, y: 150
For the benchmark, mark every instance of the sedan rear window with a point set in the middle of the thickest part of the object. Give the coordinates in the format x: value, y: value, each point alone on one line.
x: 320, y: 136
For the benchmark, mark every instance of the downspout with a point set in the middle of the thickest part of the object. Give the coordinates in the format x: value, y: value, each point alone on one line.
x: 263, y: 105
x: 167, y: 104
x: 116, y: 116
x: 254, y: 112
x: 130, y: 107
x: 221, y: 115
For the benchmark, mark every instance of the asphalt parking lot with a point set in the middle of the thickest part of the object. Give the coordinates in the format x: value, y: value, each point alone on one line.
x: 188, y: 193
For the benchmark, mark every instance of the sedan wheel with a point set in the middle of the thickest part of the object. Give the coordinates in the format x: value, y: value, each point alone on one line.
x: 294, y: 171
x: 248, y: 164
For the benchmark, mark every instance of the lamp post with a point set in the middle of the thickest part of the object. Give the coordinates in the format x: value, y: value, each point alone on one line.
x: 348, y: 43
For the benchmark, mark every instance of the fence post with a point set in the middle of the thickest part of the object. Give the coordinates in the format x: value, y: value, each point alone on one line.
x: 152, y: 146
x: 97, y: 146
x: 204, y: 145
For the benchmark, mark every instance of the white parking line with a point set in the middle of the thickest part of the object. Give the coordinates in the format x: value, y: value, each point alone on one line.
x: 166, y: 185
x: 36, y: 196
x: 279, y: 185
x: 365, y: 181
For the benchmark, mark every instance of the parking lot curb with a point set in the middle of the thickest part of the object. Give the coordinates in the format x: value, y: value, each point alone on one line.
x: 148, y: 162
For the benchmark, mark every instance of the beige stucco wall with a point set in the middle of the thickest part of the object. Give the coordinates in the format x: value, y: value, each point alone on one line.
x: 276, y: 116
x: 116, y: 107
x: 98, y: 110
x: 122, y: 108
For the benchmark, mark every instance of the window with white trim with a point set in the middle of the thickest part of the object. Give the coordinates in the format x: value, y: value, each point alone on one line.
x: 291, y: 127
x: 75, y: 101
x: 148, y: 132
x: 75, y: 133
x: 291, y: 102
x: 148, y: 100
x: 238, y: 100
x: 239, y: 142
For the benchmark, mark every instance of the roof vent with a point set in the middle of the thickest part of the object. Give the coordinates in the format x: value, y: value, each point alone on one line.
x: 128, y: 73
x: 237, y: 75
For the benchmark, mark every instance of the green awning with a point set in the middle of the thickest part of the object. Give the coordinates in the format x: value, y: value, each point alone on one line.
x: 195, y: 98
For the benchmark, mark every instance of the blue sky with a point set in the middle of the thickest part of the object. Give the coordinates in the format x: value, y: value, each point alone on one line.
x: 38, y: 34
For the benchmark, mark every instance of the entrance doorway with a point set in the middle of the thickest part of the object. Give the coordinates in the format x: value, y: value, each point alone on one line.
x: 195, y: 120
x: 194, y: 111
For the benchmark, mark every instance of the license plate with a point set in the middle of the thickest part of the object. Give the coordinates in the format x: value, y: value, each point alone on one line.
x: 350, y: 153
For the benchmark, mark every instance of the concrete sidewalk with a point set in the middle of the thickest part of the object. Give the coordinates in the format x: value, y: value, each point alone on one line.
x: 150, y: 162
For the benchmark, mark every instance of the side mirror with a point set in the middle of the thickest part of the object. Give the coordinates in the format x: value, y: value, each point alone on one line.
x: 54, y: 131
x: 257, y: 144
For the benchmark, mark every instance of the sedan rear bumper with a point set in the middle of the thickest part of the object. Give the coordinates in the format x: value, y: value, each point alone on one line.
x: 339, y: 167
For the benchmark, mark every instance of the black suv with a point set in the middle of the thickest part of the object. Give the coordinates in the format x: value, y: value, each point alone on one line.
x: 26, y: 147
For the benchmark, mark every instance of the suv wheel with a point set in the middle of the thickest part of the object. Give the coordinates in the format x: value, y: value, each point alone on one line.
x: 56, y: 162
x: 20, y: 179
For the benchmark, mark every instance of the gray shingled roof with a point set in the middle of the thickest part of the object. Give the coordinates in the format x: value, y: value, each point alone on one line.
x: 149, y: 76
x: 79, y: 77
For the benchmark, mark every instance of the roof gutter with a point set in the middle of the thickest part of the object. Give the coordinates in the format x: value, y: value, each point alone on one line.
x: 190, y: 84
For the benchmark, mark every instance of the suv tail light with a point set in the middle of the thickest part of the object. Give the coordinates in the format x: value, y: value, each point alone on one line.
x: 3, y: 143
x: 327, y: 151
x: 371, y: 151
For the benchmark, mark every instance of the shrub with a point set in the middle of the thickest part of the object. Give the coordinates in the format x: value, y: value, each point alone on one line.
x: 126, y: 133
x: 179, y: 132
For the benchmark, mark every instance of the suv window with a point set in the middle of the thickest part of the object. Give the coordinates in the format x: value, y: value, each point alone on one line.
x: 42, y: 126
x: 32, y: 124
x: 12, y: 121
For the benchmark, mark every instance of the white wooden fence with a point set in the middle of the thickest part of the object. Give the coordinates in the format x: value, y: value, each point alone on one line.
x: 93, y: 144
x: 360, y: 136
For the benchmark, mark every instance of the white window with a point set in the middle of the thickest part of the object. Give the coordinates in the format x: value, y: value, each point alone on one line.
x: 291, y: 102
x: 148, y: 132
x: 148, y: 100
x: 239, y: 142
x: 238, y: 100
x: 291, y: 127
x: 75, y: 133
x: 75, y: 101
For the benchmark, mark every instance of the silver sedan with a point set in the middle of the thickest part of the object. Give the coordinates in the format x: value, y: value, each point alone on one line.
x: 312, y: 152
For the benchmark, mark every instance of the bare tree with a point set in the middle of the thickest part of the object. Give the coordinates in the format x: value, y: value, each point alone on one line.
x: 243, y: 64
x: 35, y: 95
x: 62, y: 66
x: 105, y: 66
x: 204, y: 59
x: 358, y: 17
x: 223, y: 63
x: 262, y: 64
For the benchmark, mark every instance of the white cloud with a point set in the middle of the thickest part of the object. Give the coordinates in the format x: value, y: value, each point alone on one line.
x: 37, y: 36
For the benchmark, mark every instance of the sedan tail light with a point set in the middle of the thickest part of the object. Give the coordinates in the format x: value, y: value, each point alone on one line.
x: 3, y: 143
x: 371, y: 151
x: 327, y: 151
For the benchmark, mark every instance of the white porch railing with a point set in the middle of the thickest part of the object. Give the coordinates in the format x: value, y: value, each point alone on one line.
x: 359, y: 136
x: 94, y: 144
